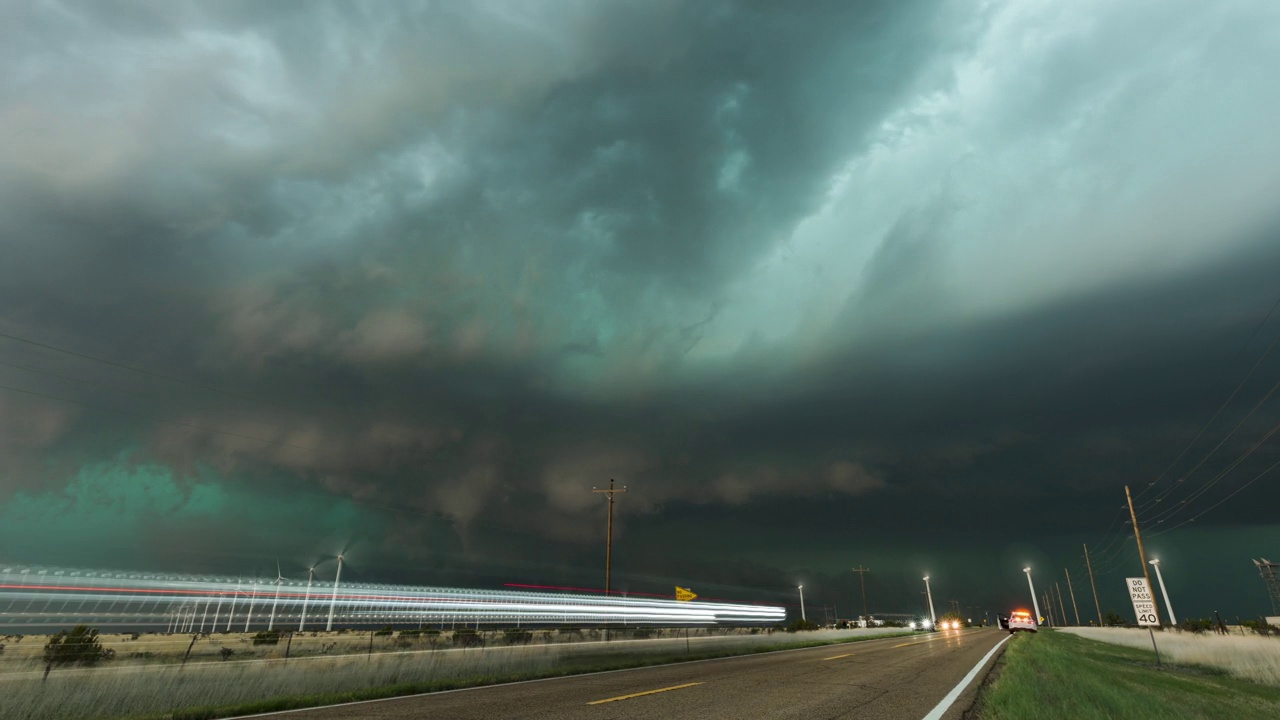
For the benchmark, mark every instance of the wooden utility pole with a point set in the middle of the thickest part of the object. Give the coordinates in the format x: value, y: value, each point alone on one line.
x: 862, y: 576
x: 1097, y: 605
x: 1142, y: 554
x: 1062, y: 607
x: 1070, y: 590
x: 608, y: 548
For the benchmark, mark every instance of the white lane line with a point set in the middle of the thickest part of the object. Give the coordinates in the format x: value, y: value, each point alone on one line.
x: 937, y: 712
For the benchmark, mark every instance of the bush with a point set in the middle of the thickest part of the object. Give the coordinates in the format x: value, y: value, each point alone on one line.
x: 1260, y: 627
x: 642, y: 633
x: 226, y: 653
x: 1112, y: 619
x: 1196, y: 626
x: 467, y: 638
x: 798, y: 625
x: 77, y: 646
x: 517, y: 636
x: 386, y: 630
x: 267, y: 637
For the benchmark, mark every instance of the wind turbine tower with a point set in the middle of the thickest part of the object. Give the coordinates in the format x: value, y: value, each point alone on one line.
x: 334, y: 600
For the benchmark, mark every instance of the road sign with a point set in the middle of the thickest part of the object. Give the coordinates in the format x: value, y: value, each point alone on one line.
x: 1144, y: 603
x: 685, y: 594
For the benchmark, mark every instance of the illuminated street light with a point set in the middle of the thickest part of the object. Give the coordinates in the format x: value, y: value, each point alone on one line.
x: 933, y: 617
x: 1167, y: 602
x: 1034, y: 603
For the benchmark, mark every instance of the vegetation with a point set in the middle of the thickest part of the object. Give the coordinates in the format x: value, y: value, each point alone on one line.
x: 466, y: 637
x: 1055, y: 675
x: 77, y: 646
x: 208, y: 688
x: 1248, y: 657
x: 267, y: 637
x: 517, y: 636
x: 384, y: 631
x: 1113, y: 619
x: 801, y: 625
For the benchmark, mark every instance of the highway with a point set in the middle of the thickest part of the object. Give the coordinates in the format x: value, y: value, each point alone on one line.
x: 889, y: 679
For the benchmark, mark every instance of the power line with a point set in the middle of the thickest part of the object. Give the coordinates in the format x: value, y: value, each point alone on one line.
x: 1215, y: 449
x: 1228, y: 497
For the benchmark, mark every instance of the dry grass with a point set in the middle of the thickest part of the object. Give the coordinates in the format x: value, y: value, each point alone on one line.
x: 1253, y: 658
x: 154, y: 687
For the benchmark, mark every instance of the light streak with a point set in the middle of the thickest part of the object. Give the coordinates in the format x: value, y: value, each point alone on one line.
x: 34, y: 596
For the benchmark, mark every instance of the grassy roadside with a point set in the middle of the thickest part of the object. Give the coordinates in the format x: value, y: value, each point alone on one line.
x: 1056, y: 675
x: 606, y: 660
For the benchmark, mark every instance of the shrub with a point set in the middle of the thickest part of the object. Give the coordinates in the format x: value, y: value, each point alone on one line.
x: 226, y: 653
x: 267, y: 637
x: 798, y: 625
x: 1113, y: 618
x: 517, y: 636
x: 386, y: 630
x: 467, y: 637
x: 1196, y: 626
x: 77, y: 646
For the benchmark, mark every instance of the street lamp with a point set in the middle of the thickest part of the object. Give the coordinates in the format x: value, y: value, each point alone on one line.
x: 933, y: 618
x: 1034, y: 603
x: 803, y: 618
x: 1167, y: 603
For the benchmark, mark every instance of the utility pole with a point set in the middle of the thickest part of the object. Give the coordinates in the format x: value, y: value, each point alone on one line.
x: 1097, y: 605
x: 862, y: 577
x: 1137, y: 535
x: 1075, y: 608
x: 608, y: 548
x: 1062, y: 609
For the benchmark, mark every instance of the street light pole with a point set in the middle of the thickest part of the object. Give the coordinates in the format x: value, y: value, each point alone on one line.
x: 1034, y: 603
x: 933, y: 618
x: 803, y: 617
x: 1167, y: 602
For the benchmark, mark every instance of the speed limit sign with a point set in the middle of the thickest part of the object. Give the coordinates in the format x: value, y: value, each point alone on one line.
x: 1144, y: 603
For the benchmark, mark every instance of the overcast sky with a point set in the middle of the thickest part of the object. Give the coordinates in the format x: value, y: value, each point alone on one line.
x: 917, y: 285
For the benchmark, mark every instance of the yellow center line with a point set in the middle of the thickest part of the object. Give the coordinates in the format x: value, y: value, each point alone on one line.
x: 640, y: 694
x: 837, y: 657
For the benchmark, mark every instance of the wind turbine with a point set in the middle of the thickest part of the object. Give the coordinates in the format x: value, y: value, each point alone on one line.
x: 279, y: 579
x: 234, y: 595
x: 253, y: 595
x: 302, y: 621
x: 334, y: 600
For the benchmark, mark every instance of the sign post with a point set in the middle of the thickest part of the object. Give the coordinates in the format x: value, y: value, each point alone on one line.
x: 1144, y: 606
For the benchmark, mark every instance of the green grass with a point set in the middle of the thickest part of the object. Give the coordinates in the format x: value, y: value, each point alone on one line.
x: 604, y: 661
x: 1056, y: 675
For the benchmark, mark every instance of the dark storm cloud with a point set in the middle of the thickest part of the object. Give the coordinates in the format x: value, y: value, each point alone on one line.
x: 459, y: 263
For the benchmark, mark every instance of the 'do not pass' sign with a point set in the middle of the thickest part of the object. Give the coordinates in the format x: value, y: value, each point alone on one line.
x: 1144, y: 603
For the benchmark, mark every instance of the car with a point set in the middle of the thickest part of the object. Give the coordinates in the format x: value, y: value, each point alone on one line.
x: 1021, y: 620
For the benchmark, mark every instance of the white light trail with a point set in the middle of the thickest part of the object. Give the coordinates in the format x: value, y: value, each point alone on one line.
x: 36, y: 596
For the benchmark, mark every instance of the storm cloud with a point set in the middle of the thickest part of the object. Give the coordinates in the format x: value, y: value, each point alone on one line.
x: 897, y: 275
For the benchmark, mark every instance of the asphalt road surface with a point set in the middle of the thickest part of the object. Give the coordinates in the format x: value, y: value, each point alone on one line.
x: 888, y: 679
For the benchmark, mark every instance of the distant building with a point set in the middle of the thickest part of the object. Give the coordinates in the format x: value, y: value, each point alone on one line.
x: 1271, y: 576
